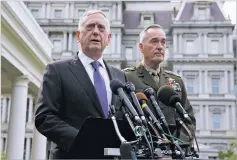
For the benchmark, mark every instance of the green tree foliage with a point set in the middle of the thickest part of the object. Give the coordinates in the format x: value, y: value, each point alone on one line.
x: 230, y: 153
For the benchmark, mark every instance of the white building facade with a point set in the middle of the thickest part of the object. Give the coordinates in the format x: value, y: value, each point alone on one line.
x: 199, y: 48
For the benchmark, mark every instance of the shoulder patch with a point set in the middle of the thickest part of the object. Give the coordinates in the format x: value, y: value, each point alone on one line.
x: 169, y: 72
x: 129, y: 69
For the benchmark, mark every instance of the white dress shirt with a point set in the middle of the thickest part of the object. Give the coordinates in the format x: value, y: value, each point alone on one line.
x: 86, y: 61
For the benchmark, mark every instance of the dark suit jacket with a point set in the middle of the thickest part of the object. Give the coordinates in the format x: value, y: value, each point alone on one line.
x: 66, y: 98
x: 141, y: 78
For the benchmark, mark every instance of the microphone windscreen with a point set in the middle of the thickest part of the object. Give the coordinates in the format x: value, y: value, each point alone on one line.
x: 141, y: 96
x: 127, y: 152
x: 115, y: 84
x: 167, y: 95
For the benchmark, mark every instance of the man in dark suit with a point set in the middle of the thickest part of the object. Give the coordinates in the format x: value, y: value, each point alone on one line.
x: 73, y: 90
x: 149, y: 74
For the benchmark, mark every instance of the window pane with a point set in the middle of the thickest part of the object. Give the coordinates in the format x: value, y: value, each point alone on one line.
x: 214, y: 46
x: 129, y: 53
x: 190, y: 47
x: 147, y: 20
x: 215, y: 85
x: 190, y: 83
x: 80, y: 13
x: 202, y: 14
x: 106, y: 12
x: 35, y: 13
x: 57, y: 46
x: 58, y: 13
x: 216, y: 120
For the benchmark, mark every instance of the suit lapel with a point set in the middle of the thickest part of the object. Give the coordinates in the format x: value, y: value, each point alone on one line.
x: 78, y: 70
x: 146, y: 77
x: 112, y: 75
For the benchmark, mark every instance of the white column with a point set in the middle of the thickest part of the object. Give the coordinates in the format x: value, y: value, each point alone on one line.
x: 114, y: 43
x: 231, y: 82
x: 47, y: 34
x: 43, y: 10
x: 48, y: 10
x: 226, y: 86
x: 70, y: 42
x: 200, y: 44
x: 4, y: 109
x: 200, y: 82
x: 38, y: 146
x: 224, y: 44
x: 16, y: 130
x: 175, y: 43
x: 180, y: 43
x: 118, y: 44
x: 233, y: 119
x: 228, y: 116
x: 67, y: 12
x: 119, y: 11
x: 114, y: 11
x: 27, y: 152
x: 207, y: 117
x: 205, y: 43
x: 30, y: 111
x: 64, y: 41
x: 230, y: 43
x: 8, y: 109
x: 201, y: 117
x: 206, y: 82
x: 72, y: 10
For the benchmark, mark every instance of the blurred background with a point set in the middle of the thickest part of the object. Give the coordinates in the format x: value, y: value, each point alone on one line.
x: 201, y: 48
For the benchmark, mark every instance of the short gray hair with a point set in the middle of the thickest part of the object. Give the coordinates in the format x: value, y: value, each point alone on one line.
x: 90, y: 12
x: 143, y: 32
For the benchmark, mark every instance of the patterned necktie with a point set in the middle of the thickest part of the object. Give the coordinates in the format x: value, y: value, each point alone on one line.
x: 100, y: 88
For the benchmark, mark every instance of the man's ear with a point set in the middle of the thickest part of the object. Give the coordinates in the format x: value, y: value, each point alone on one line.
x: 140, y: 47
x: 109, y: 37
x: 78, y: 36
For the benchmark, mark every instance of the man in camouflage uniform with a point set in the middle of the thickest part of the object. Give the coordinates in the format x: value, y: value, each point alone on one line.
x: 149, y: 74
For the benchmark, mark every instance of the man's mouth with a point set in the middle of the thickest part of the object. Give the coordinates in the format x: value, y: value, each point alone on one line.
x: 95, y: 40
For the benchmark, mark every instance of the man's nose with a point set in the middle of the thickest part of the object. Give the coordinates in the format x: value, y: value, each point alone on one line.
x: 159, y: 46
x: 96, y: 30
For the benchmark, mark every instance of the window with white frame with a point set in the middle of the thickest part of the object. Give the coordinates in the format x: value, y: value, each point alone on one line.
x: 190, y: 85
x: 190, y: 46
x: 202, y: 13
x: 216, y: 118
x: 129, y: 53
x: 147, y: 20
x: 215, y: 85
x: 214, y: 46
x: 106, y: 13
x: 197, y: 115
x: 167, y: 53
x: 58, y: 13
x: 35, y: 13
x: 80, y: 12
x: 57, y: 45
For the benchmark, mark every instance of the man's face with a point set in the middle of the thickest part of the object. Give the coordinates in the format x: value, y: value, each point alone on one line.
x: 94, y: 35
x: 153, y: 46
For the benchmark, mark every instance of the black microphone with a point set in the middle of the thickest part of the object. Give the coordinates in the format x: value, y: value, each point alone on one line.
x: 143, y: 99
x: 149, y: 92
x: 130, y: 89
x: 170, y: 97
x: 127, y: 152
x: 117, y: 88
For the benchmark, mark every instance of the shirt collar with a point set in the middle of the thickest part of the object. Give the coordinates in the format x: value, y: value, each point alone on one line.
x: 150, y: 70
x: 86, y: 61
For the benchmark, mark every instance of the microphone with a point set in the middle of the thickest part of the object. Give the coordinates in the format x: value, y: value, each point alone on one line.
x: 143, y: 99
x: 170, y: 97
x: 150, y: 93
x: 130, y: 88
x: 117, y: 88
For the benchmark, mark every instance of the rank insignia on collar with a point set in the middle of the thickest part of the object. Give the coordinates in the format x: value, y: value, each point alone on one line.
x: 174, y: 85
